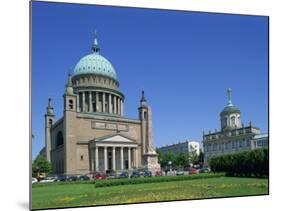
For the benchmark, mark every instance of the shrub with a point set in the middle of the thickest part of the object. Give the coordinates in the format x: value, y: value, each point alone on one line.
x: 248, y: 163
x: 116, y: 182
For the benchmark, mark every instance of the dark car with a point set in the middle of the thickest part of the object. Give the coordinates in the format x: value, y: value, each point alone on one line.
x: 111, y: 174
x: 83, y: 178
x: 145, y: 173
x: 135, y: 174
x: 124, y: 174
x: 205, y: 170
x: 72, y: 178
x: 99, y: 176
x: 61, y: 178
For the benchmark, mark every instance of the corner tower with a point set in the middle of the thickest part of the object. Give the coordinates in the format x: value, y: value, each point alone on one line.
x: 149, y: 155
x: 49, y: 121
x: 230, y: 115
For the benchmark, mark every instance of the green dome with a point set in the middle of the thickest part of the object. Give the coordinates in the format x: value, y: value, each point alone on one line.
x: 230, y: 109
x: 95, y: 64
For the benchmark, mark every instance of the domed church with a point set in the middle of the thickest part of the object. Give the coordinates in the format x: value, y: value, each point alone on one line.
x: 94, y: 135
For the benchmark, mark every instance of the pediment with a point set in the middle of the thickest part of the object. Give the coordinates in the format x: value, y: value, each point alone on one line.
x: 115, y: 139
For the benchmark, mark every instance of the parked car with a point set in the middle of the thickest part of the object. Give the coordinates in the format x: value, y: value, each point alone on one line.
x: 205, y: 170
x: 99, y: 176
x: 49, y: 179
x: 193, y: 171
x: 111, y: 174
x: 158, y: 173
x: 72, y: 178
x: 123, y: 174
x: 61, y: 178
x: 34, y: 180
x: 135, y: 174
x: 83, y: 177
x: 179, y: 172
x: 145, y: 173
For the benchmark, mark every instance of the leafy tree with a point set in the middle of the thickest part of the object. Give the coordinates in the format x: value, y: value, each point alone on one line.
x: 182, y: 160
x: 193, y: 157
x: 39, y: 165
x: 201, y: 157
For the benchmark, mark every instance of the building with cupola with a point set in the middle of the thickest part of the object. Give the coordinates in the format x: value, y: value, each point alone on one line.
x: 233, y: 136
x: 93, y: 135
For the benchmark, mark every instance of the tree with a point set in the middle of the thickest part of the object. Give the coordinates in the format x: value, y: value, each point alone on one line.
x: 201, y: 157
x: 193, y: 157
x: 182, y: 160
x: 39, y: 165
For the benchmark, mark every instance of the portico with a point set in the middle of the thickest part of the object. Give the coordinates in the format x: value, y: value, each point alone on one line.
x: 115, y: 152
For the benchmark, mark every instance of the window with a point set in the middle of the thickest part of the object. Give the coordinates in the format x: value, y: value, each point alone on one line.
x: 233, y: 144
x: 145, y: 115
x: 240, y: 143
x: 70, y: 104
x: 233, y: 121
x: 81, y: 157
x: 50, y: 122
x: 59, y: 140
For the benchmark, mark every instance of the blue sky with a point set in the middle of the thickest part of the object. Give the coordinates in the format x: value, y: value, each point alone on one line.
x: 184, y: 61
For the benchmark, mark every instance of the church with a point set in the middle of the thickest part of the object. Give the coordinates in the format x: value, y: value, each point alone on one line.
x: 93, y: 135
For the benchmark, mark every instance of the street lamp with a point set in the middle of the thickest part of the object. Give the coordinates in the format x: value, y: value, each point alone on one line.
x: 170, y: 163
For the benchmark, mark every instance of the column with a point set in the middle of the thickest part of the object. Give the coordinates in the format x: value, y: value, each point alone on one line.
x: 121, y: 158
x: 121, y: 107
x: 105, y: 158
x: 134, y: 157
x: 114, y: 101
x: 78, y: 98
x: 103, y: 102
x: 97, y: 101
x: 92, y: 159
x: 129, y: 157
x: 90, y: 102
x: 118, y: 105
x: 109, y: 103
x: 97, y: 158
x: 83, y: 101
x: 113, y: 159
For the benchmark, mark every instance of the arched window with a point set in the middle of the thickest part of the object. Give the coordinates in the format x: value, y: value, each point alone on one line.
x: 50, y: 122
x: 59, y: 140
x: 70, y: 104
x: 224, y: 122
x: 233, y: 121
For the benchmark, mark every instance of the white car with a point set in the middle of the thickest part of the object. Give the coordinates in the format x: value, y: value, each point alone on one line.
x: 49, y: 179
x: 34, y: 180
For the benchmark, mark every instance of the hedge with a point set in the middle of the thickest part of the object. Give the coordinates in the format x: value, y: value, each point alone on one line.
x: 116, y: 182
x: 248, y: 163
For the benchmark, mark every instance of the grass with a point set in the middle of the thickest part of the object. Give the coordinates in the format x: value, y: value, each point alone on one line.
x: 71, y: 195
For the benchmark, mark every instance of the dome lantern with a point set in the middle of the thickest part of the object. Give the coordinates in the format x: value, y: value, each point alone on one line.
x: 95, y: 46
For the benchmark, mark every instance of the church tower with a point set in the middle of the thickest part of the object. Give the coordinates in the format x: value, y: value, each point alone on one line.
x: 149, y: 155
x: 69, y: 119
x: 49, y: 121
x: 230, y: 115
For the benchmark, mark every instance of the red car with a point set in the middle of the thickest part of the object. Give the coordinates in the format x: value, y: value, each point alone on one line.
x: 99, y: 176
x: 158, y: 173
x: 193, y: 171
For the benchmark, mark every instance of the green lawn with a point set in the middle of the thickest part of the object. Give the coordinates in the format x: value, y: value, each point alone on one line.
x: 70, y: 195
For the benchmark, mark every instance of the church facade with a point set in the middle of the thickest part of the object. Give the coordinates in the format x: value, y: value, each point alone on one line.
x: 233, y: 136
x: 94, y: 135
